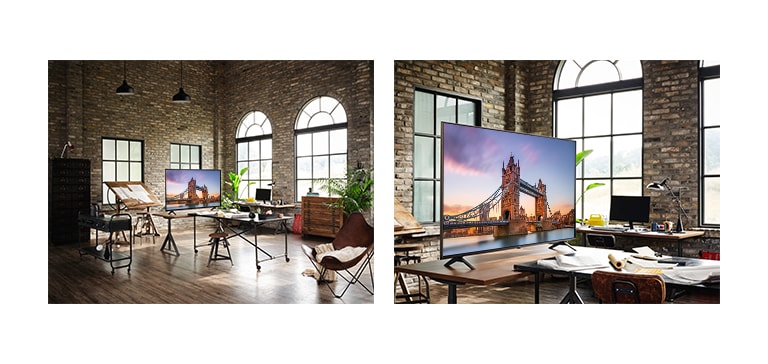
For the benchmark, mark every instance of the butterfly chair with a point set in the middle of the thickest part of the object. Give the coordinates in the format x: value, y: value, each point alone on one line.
x: 618, y: 287
x: 348, y: 255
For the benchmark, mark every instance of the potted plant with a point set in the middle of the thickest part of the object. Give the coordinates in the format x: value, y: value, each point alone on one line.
x: 580, y: 157
x: 353, y: 194
x: 235, y: 179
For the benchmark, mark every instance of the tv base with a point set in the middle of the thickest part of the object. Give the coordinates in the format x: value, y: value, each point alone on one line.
x: 555, y: 245
x: 458, y: 260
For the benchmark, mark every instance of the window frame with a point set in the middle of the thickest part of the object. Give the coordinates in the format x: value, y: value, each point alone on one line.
x: 189, y: 164
x: 107, y: 196
x: 247, y: 190
x: 437, y: 177
x: 706, y: 73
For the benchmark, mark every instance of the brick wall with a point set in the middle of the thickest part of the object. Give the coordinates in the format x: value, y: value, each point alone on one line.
x: 83, y: 108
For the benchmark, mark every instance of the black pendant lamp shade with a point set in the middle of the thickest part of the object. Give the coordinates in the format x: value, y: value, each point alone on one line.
x: 124, y: 89
x: 182, y: 96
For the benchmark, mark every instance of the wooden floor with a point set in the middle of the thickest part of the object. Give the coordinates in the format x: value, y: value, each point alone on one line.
x: 160, y: 278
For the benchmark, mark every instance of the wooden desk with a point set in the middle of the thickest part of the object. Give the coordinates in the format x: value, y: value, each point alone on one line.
x: 490, y: 268
x: 679, y: 237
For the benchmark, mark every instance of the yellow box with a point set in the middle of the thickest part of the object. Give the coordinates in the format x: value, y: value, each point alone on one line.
x: 596, y: 220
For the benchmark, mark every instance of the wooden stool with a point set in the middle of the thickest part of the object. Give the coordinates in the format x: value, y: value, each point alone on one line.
x: 219, y: 238
x: 406, y: 258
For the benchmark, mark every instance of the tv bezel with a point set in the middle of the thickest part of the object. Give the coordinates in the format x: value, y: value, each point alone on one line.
x: 459, y: 257
x: 190, y: 207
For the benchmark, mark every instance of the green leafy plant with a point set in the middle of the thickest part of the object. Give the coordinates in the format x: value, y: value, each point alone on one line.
x: 235, y: 179
x: 354, y: 194
x: 579, y: 158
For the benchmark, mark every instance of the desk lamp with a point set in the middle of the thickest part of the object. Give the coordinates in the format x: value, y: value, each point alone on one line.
x: 663, y: 185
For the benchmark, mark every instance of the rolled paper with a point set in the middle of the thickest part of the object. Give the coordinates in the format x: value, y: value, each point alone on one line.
x: 616, y: 263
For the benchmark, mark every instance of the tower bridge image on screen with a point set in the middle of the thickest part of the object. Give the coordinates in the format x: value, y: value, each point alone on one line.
x: 510, y: 218
x: 190, y: 196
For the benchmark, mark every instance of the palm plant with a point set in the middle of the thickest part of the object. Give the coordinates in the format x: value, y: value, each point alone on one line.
x: 235, y: 179
x: 353, y: 194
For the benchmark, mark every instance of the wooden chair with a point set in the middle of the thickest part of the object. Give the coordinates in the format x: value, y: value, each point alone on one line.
x: 619, y: 287
x: 601, y: 240
x: 354, y: 233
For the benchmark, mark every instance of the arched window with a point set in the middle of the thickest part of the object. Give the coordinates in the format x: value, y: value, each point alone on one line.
x: 599, y: 104
x: 709, y: 116
x: 321, y: 145
x: 254, y: 150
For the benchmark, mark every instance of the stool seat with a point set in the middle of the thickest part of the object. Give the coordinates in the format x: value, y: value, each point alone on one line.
x: 219, y: 237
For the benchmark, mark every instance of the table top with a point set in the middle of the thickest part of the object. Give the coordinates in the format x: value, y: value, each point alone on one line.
x: 490, y: 267
x: 645, y: 234
x: 260, y: 204
x: 242, y: 216
x: 168, y: 215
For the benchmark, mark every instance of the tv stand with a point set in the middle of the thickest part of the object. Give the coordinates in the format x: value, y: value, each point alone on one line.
x: 555, y: 245
x: 458, y: 260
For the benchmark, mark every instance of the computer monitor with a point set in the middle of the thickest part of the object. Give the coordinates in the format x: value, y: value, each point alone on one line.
x: 263, y: 194
x: 631, y: 209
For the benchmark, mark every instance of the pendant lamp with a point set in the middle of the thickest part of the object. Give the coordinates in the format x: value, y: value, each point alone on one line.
x: 182, y: 96
x: 124, y: 89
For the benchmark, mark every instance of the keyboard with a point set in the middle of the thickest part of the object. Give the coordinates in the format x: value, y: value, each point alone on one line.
x: 610, y: 228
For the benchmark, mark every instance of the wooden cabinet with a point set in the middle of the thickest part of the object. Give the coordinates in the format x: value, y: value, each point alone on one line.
x: 318, y: 218
x: 69, y: 193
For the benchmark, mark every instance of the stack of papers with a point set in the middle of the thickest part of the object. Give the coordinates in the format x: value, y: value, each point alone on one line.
x: 694, y: 275
x: 573, y: 262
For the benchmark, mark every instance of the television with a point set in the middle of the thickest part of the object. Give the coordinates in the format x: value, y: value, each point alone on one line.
x: 263, y: 194
x: 503, y: 190
x: 630, y: 209
x: 192, y: 189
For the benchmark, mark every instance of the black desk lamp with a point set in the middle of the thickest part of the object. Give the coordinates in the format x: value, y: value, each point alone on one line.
x: 663, y: 185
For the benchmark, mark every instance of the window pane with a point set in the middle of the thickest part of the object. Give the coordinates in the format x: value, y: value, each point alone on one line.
x: 628, y: 112
x: 266, y: 149
x: 253, y: 150
x: 712, y: 102
x: 302, y: 187
x: 175, y: 166
x: 320, y: 143
x: 712, y: 151
x: 569, y: 118
x: 423, y: 200
x: 338, y: 141
x: 597, y: 200
x: 108, y: 149
x: 712, y: 200
x: 135, y: 148
x: 135, y: 172
x: 339, y: 115
x: 598, y: 72
x: 424, y: 107
x: 194, y: 155
x: 423, y: 157
x: 123, y: 169
x: 466, y: 110
x: 185, y: 154
x: 109, y: 171
x: 628, y: 156
x: 303, y: 144
x: 598, y: 164
x: 266, y: 170
x: 446, y: 109
x: 628, y: 187
x: 175, y: 154
x: 597, y: 115
x: 242, y: 151
x: 254, y: 171
x: 122, y: 150
x: 320, y: 168
x: 338, y: 166
x: 579, y: 149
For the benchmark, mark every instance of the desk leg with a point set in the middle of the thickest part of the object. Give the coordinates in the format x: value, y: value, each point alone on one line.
x: 536, y: 288
x: 169, y: 243
x: 256, y: 246
x: 285, y: 227
x: 452, y: 293
x: 573, y: 295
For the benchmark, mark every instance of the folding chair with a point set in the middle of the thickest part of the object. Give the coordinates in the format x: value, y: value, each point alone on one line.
x: 351, y: 254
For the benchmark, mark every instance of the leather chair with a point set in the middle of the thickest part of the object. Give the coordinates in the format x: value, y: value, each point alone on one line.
x: 354, y: 233
x: 601, y: 240
x: 619, y: 287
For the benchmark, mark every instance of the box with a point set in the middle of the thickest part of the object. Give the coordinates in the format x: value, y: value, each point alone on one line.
x: 596, y: 220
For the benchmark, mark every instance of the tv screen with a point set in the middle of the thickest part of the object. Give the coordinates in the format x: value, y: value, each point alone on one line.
x: 192, y: 189
x: 504, y: 189
x: 630, y: 209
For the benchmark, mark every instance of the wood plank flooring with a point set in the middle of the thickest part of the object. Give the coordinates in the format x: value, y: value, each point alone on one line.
x: 161, y: 278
